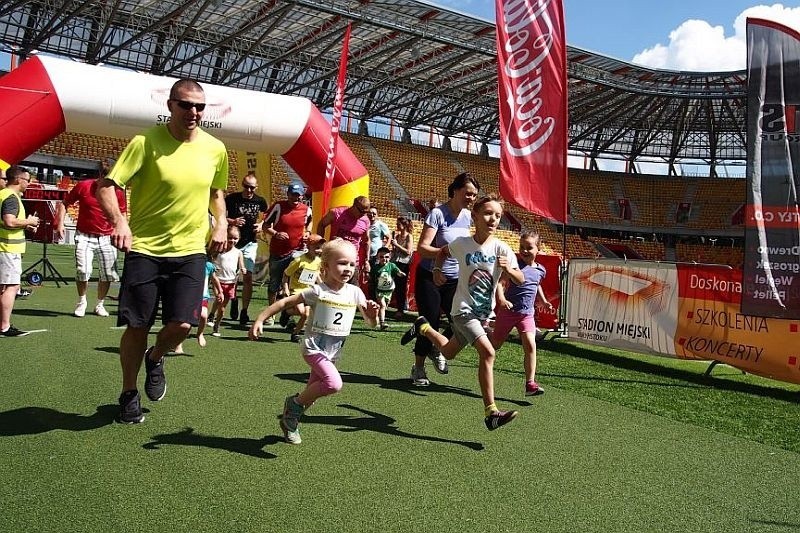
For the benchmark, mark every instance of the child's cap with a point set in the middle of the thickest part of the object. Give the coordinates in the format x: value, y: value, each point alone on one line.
x: 315, y: 239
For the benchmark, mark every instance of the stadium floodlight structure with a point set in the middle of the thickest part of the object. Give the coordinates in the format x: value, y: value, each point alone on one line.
x: 412, y: 62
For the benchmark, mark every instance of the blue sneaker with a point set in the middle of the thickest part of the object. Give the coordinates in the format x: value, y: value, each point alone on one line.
x: 290, y: 420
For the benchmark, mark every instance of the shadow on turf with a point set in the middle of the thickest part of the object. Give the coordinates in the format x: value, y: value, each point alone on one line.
x: 242, y: 445
x: 401, y: 385
x: 115, y: 351
x: 47, y: 313
x: 666, y: 372
x: 379, y: 423
x: 35, y: 420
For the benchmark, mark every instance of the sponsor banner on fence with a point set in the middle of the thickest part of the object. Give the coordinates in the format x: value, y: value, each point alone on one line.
x: 683, y: 311
x: 623, y: 304
x: 772, y: 215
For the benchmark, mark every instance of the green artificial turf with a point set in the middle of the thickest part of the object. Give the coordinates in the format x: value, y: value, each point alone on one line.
x: 619, y: 442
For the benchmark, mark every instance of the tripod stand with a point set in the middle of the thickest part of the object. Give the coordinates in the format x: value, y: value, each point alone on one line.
x: 47, y: 266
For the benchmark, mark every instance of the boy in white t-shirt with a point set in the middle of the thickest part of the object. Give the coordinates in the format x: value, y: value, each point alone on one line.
x: 482, y: 260
x: 333, y: 304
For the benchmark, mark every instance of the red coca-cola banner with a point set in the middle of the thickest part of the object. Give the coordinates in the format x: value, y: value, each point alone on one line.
x: 338, y: 103
x: 551, y: 285
x: 532, y: 93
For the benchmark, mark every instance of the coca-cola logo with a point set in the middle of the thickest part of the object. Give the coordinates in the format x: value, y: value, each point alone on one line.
x: 527, y: 36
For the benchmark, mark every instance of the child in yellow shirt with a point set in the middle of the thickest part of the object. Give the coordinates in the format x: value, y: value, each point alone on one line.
x: 302, y: 273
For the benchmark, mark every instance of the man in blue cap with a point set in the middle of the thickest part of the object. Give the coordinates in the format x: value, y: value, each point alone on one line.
x: 287, y: 223
x: 244, y: 209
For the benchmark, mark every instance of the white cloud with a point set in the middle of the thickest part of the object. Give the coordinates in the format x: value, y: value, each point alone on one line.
x: 695, y: 45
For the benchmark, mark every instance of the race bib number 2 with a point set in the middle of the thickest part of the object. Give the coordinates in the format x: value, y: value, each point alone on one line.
x: 333, y: 318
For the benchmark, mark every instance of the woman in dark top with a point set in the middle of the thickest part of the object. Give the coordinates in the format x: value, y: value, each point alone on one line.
x: 444, y: 223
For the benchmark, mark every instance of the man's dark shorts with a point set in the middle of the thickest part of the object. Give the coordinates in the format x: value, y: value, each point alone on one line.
x: 277, y: 264
x: 176, y: 281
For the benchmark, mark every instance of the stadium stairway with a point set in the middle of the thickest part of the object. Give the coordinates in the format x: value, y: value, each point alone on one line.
x: 604, y: 252
x: 390, y: 178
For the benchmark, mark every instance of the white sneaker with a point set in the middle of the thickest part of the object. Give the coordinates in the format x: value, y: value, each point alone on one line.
x: 439, y: 362
x: 419, y: 377
x: 80, y: 309
x: 100, y: 310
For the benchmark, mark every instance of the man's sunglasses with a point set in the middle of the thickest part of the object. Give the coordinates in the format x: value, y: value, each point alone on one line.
x: 187, y: 105
x: 249, y: 187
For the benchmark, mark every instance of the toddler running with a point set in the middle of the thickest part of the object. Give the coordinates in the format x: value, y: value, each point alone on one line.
x: 333, y: 305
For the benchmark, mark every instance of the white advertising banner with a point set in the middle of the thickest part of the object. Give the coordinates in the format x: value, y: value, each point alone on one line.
x: 622, y: 304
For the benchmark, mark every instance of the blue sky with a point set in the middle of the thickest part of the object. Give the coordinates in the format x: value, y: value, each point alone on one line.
x: 703, y: 35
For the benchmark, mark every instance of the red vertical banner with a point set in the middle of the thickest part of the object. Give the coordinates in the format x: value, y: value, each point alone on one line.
x: 551, y: 286
x: 338, y: 102
x: 532, y: 94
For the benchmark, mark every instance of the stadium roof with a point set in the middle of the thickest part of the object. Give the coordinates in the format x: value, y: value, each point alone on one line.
x: 413, y: 62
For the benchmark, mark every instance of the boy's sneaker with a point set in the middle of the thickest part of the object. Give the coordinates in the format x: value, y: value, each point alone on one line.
x: 419, y: 378
x: 14, y: 332
x: 80, y: 309
x: 384, y: 326
x: 100, y: 310
x: 155, y: 383
x: 234, y: 308
x: 284, y: 319
x: 215, y: 331
x: 499, y: 418
x: 439, y: 362
x: 411, y: 333
x: 269, y: 322
x: 533, y: 389
x: 244, y: 318
x: 295, y: 337
x: 130, y: 408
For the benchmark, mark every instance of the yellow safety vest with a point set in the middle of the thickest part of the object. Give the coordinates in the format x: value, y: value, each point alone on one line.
x: 12, y: 240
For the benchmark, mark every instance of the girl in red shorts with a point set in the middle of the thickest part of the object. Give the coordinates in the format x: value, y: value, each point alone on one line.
x: 230, y: 265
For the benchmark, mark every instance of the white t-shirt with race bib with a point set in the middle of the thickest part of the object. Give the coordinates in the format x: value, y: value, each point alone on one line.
x: 478, y: 274
x: 332, y: 314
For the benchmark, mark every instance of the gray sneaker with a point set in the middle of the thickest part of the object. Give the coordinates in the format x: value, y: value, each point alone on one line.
x: 155, y: 383
x: 290, y: 420
x: 418, y: 377
x: 439, y: 362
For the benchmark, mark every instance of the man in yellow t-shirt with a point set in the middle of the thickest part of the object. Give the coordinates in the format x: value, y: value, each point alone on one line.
x: 176, y: 173
x: 302, y: 273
